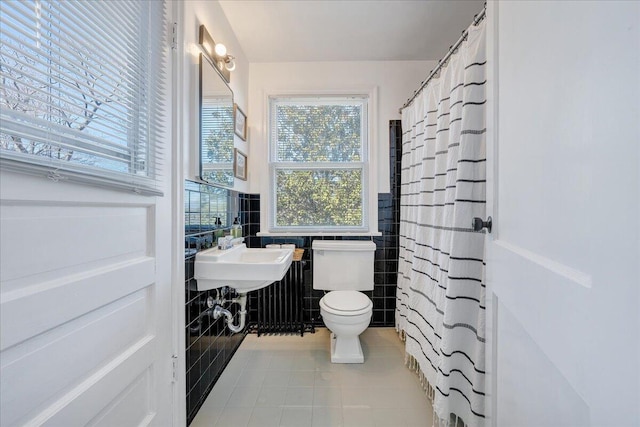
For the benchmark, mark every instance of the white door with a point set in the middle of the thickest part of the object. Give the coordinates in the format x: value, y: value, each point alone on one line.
x: 564, y: 187
x: 85, y: 303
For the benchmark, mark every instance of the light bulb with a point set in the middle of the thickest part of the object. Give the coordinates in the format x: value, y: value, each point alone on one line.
x: 230, y: 64
x: 221, y: 50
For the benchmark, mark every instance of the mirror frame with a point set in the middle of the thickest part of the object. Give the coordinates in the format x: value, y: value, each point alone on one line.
x: 201, y: 68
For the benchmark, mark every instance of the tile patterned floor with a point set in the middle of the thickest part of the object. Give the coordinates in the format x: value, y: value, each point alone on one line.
x: 290, y: 381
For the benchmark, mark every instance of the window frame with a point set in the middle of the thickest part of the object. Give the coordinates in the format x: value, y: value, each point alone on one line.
x: 368, y: 187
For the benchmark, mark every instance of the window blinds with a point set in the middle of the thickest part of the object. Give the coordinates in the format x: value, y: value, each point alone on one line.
x: 82, y: 87
x: 318, y: 130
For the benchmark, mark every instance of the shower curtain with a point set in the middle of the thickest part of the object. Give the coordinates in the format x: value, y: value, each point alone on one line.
x: 440, y: 298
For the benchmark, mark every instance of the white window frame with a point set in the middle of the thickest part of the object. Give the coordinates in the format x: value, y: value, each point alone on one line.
x: 367, y: 164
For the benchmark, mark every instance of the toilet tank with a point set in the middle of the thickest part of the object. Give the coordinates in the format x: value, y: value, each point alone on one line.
x: 343, y: 265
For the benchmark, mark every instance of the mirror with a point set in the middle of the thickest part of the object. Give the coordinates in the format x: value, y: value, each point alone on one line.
x: 216, y: 126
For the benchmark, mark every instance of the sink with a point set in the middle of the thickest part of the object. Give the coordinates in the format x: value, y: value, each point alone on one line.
x: 244, y: 269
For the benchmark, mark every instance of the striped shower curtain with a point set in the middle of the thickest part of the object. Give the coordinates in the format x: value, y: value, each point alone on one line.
x: 440, y: 300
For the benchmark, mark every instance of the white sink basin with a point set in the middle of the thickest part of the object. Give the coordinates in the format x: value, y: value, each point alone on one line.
x: 244, y: 269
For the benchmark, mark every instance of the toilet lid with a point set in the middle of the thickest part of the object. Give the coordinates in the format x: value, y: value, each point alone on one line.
x: 347, y: 301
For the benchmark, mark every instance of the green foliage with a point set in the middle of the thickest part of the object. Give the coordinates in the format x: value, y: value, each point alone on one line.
x: 319, y: 197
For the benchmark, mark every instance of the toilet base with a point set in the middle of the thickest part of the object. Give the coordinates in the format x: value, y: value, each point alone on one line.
x: 346, y: 349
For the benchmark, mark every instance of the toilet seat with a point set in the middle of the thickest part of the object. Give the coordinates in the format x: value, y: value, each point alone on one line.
x: 346, y: 303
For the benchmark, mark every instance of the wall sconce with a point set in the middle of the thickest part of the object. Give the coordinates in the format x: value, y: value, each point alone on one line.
x: 217, y: 53
x: 221, y: 52
x: 229, y: 62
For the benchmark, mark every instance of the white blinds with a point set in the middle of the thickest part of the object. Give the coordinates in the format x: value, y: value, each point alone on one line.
x: 318, y: 130
x: 82, y: 86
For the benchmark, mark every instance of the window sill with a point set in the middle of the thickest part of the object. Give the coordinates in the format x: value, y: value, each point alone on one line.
x: 308, y: 233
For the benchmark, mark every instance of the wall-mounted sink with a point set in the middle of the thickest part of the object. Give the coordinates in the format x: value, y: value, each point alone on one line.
x: 244, y: 269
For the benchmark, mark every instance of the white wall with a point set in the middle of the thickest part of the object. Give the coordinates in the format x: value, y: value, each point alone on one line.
x: 395, y: 82
x: 209, y: 13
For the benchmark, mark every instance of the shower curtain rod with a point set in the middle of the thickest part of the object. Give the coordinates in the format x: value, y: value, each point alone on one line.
x: 476, y: 20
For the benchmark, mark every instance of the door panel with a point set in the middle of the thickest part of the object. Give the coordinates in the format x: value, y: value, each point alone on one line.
x: 538, y: 311
x: 84, y: 306
x: 563, y: 159
x: 551, y: 307
x: 521, y: 383
x: 129, y: 407
x: 85, y: 236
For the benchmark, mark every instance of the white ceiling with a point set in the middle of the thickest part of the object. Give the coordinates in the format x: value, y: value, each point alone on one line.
x: 348, y: 30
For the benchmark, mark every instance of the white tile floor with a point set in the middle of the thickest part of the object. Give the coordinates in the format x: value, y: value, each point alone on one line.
x: 290, y: 381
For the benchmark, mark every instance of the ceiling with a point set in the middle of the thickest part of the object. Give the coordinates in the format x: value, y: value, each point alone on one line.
x: 348, y: 30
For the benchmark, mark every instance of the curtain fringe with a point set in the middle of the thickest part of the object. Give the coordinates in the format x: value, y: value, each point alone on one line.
x: 413, y: 365
x: 401, y: 334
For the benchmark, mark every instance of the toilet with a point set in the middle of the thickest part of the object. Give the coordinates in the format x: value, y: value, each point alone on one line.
x: 344, y: 268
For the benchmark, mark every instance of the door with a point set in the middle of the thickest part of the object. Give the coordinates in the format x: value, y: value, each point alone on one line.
x: 563, y: 190
x: 85, y: 302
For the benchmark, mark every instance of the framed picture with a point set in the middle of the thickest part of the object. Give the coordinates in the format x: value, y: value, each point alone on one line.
x: 239, y: 164
x: 240, y: 120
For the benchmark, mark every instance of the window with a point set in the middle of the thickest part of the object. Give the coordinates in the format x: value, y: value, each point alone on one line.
x: 81, y: 90
x: 319, y: 164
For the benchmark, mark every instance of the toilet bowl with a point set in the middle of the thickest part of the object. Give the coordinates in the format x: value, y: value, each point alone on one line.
x: 346, y: 314
x: 344, y: 268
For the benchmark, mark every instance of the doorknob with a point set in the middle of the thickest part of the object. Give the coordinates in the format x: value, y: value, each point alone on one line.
x: 478, y: 224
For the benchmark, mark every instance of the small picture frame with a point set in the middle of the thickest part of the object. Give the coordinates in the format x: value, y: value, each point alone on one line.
x: 240, y: 121
x: 239, y: 164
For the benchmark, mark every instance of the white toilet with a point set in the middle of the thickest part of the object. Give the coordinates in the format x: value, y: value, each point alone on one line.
x: 344, y: 267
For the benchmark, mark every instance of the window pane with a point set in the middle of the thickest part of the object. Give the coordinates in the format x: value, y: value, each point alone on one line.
x: 319, y: 198
x: 318, y: 133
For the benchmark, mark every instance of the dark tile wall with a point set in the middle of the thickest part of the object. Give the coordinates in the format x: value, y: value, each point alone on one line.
x: 209, y: 344
x: 386, y: 255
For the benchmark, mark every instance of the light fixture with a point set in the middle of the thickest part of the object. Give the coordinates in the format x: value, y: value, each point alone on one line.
x: 220, y: 49
x: 217, y: 54
x: 221, y: 53
x: 229, y: 63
